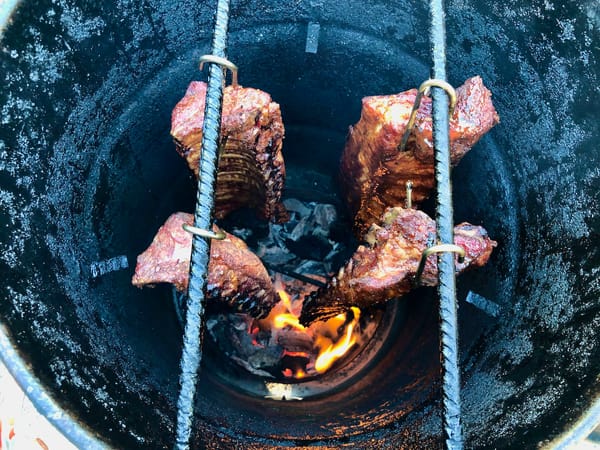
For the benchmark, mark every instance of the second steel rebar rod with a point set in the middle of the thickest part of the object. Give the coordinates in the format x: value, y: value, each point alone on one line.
x: 192, y: 339
x: 445, y: 235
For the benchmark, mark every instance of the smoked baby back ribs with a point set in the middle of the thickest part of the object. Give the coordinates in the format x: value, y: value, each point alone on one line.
x: 251, y: 171
x: 374, y: 173
x: 236, y: 277
x: 386, y: 266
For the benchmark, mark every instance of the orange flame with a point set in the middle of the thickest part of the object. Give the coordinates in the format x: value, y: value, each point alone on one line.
x: 287, y: 319
x: 281, y: 315
x: 329, y: 344
x: 335, y: 351
x: 285, y: 299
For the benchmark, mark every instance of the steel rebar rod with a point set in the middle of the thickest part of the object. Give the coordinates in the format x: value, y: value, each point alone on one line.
x: 192, y: 342
x: 445, y: 235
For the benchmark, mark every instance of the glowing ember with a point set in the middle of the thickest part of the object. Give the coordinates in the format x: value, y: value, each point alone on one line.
x: 279, y: 347
x: 296, y: 354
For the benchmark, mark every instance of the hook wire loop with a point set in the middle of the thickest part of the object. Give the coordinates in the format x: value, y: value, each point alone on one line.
x: 219, y: 235
x: 225, y: 65
x: 441, y: 248
x: 425, y: 89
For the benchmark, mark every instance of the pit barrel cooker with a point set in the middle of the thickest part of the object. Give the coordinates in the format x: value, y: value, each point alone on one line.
x: 88, y: 172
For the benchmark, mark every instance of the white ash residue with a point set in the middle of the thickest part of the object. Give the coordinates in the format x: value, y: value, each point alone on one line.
x: 230, y: 331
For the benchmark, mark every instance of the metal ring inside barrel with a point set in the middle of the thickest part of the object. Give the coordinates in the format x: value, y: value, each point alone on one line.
x: 219, y: 235
x: 424, y: 90
x: 441, y: 248
x: 224, y: 63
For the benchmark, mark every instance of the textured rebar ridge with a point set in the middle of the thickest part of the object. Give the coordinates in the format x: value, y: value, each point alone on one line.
x: 192, y: 341
x: 444, y: 219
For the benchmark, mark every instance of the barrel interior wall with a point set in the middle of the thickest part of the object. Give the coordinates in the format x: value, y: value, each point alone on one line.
x: 88, y: 173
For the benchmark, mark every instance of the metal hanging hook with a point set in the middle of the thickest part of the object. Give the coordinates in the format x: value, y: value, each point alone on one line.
x: 225, y: 65
x: 219, y: 235
x: 441, y: 248
x: 409, y: 188
x: 424, y: 89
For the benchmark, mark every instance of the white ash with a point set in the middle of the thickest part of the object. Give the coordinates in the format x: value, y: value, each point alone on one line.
x: 231, y: 332
x: 306, y: 244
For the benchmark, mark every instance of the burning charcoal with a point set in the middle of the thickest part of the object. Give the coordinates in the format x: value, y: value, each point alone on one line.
x: 336, y: 248
x: 312, y: 267
x: 385, y: 267
x: 274, y: 255
x: 236, y: 277
x: 295, y: 205
x: 310, y: 247
x: 325, y: 216
x: 251, y: 170
x: 308, y: 238
x: 319, y: 232
x: 295, y: 341
x: 277, y: 233
x: 302, y: 229
x: 263, y: 359
x: 279, y: 345
x: 374, y: 172
x: 317, y: 222
x: 289, y: 226
x: 231, y: 333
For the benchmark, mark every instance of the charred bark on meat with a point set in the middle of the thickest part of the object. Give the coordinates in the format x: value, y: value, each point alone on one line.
x: 237, y: 278
x: 385, y: 267
x: 374, y: 173
x: 251, y: 170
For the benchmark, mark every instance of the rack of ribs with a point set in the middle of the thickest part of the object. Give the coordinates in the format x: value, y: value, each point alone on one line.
x: 374, y: 173
x: 251, y: 170
x: 385, y: 267
x: 237, y: 278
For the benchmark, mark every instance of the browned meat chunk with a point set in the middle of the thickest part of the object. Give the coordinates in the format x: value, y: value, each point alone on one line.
x: 374, y: 173
x: 386, y: 266
x: 251, y: 170
x: 236, y: 276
